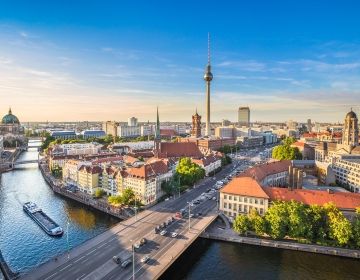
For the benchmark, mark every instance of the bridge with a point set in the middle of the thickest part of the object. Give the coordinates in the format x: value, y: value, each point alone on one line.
x: 93, y: 259
x: 18, y: 162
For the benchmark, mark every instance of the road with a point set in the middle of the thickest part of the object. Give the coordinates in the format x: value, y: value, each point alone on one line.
x: 93, y: 260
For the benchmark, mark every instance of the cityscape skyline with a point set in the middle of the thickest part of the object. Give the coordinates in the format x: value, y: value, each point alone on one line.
x: 108, y: 70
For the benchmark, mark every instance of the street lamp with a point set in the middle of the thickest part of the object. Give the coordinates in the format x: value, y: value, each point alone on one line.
x: 189, y: 213
x: 67, y: 238
x: 133, y: 259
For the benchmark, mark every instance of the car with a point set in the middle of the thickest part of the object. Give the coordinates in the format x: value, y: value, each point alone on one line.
x: 143, y: 241
x: 125, y: 263
x: 116, y: 259
x: 174, y: 234
x: 199, y: 214
x: 163, y: 232
x: 178, y: 215
x: 214, y: 198
x: 137, y: 245
x: 164, y: 224
x: 166, y: 199
x: 191, y: 215
x: 157, y: 230
x: 145, y: 259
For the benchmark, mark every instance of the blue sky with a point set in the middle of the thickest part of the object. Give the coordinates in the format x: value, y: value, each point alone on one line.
x: 101, y: 60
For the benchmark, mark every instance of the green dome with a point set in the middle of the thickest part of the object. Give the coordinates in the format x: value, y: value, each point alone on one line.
x: 10, y: 118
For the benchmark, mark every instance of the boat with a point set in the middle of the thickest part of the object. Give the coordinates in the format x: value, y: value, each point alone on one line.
x: 43, y: 220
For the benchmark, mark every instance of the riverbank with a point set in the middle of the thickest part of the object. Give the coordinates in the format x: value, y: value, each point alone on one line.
x: 83, y: 198
x: 216, y: 232
x: 5, y: 271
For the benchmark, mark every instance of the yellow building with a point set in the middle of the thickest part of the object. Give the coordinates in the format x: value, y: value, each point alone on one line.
x: 241, y: 195
x: 88, y: 178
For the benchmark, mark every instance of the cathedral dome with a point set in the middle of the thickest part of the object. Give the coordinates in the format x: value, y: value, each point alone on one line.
x: 10, y: 118
x: 351, y: 115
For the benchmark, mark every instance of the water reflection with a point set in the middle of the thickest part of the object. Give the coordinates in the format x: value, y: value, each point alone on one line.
x: 23, y: 243
x: 84, y: 218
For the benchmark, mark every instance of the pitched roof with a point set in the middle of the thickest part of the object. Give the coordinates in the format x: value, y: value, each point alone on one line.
x: 245, y: 186
x: 261, y: 171
x: 93, y: 169
x: 205, y: 161
x: 182, y: 149
x: 342, y: 200
x: 148, y: 170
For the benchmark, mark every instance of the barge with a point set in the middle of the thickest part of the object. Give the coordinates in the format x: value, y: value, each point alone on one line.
x: 43, y: 220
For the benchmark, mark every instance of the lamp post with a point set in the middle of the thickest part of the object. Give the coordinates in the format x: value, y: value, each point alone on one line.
x: 189, y: 214
x: 133, y: 259
x: 133, y: 253
x: 67, y: 238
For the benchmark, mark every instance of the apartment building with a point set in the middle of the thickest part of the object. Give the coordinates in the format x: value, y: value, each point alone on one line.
x: 88, y: 178
x: 242, y: 195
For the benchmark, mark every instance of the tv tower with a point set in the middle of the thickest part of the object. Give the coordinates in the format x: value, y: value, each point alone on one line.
x: 208, y: 76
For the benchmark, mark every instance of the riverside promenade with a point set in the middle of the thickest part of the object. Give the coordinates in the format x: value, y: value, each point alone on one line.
x: 218, y: 232
x: 88, y: 200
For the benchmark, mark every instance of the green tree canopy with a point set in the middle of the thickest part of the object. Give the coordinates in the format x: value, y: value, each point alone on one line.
x: 285, y: 151
x: 242, y: 224
x: 189, y: 172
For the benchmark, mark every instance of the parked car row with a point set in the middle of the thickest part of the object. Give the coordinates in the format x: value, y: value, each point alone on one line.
x: 162, y: 226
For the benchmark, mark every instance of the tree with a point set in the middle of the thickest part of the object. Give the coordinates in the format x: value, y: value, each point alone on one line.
x: 115, y: 200
x: 339, y: 227
x: 285, y: 151
x: 277, y: 219
x: 99, y: 193
x: 128, y: 196
x: 356, y: 228
x: 300, y: 224
x: 317, y: 216
x: 257, y: 222
x: 189, y: 172
x: 242, y: 224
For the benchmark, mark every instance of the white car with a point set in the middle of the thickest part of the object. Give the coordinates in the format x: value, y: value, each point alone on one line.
x: 214, y: 198
x: 174, y: 234
x: 145, y: 259
x: 163, y: 232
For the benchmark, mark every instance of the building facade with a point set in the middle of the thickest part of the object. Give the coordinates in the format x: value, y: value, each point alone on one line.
x: 244, y: 116
x: 196, y: 125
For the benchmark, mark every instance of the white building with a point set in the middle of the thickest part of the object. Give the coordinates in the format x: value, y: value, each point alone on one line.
x: 132, y: 121
x: 128, y: 131
x: 80, y: 148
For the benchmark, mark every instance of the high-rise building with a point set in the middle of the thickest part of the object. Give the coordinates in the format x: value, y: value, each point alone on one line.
x: 244, y: 116
x: 309, y: 125
x: 225, y: 122
x: 351, y: 130
x: 132, y: 121
x: 196, y: 125
x: 208, y: 76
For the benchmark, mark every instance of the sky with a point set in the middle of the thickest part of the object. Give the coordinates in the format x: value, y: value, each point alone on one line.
x: 110, y: 60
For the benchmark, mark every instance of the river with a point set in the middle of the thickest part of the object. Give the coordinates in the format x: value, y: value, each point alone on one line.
x: 23, y: 243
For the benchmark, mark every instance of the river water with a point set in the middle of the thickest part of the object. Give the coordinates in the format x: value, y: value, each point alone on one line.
x: 23, y: 243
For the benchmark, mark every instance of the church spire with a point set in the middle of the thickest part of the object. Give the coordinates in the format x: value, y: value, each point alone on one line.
x: 157, y: 132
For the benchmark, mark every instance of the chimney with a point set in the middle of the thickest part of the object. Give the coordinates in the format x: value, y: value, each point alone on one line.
x: 300, y: 179
x: 290, y: 179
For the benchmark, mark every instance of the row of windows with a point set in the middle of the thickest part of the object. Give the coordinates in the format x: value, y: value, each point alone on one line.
x: 239, y: 208
x: 244, y: 199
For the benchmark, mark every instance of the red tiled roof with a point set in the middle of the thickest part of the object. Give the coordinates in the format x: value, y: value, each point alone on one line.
x: 91, y: 169
x: 261, y: 171
x: 245, y: 186
x: 342, y: 200
x: 107, y: 159
x: 299, y: 144
x: 182, y: 149
x: 130, y: 159
x: 205, y: 161
x: 167, y: 132
x: 149, y: 170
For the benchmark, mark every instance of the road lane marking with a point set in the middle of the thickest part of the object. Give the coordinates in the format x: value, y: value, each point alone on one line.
x: 51, y: 276
x: 92, y: 251
x: 81, y: 276
x: 65, y: 267
x: 79, y: 259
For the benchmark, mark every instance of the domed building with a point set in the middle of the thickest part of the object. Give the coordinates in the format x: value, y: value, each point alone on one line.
x: 10, y: 124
